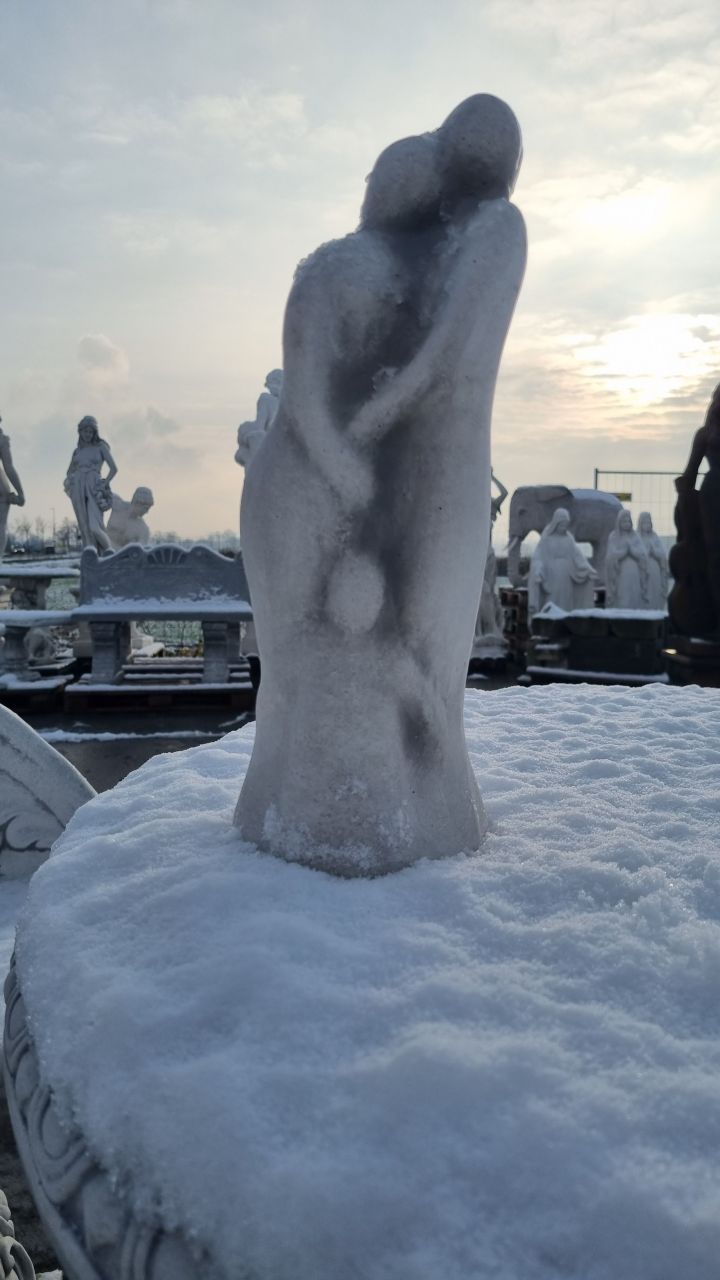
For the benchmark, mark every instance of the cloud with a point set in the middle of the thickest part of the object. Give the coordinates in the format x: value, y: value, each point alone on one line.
x: 102, y: 360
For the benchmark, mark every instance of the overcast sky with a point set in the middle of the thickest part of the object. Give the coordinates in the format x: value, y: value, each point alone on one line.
x: 165, y: 164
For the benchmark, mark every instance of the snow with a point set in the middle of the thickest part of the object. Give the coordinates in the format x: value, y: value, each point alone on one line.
x: 198, y: 606
x: 39, y: 569
x: 96, y: 735
x: 614, y: 677
x: 498, y: 1065
x: 35, y: 617
x: 551, y: 610
x: 599, y: 495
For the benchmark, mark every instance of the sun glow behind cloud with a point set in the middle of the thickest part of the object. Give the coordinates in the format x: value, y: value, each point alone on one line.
x: 168, y: 212
x: 653, y: 357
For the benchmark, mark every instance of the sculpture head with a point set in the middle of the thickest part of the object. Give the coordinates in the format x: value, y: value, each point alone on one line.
x: 480, y: 149
x: 403, y: 190
x: 624, y: 523
x: 559, y: 522
x: 274, y: 382
x: 141, y: 501
x: 88, y: 430
x: 645, y: 524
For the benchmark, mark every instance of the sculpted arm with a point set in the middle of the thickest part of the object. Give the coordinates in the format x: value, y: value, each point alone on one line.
x: 474, y: 287
x: 502, y: 494
x: 108, y: 458
x: 309, y: 343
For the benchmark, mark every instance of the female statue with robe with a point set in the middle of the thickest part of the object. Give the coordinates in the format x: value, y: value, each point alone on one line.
x: 657, y: 559
x: 87, y: 488
x: 559, y: 572
x: 626, y: 567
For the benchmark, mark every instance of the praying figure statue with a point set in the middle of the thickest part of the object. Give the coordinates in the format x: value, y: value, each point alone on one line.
x: 250, y: 435
x: 559, y: 571
x: 626, y: 567
x: 87, y: 488
x: 361, y: 537
x: 126, y: 523
x: 657, y: 559
x: 11, y: 490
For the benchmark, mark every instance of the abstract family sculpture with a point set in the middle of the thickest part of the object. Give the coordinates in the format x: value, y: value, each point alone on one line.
x: 11, y: 490
x: 559, y: 572
x: 360, y: 536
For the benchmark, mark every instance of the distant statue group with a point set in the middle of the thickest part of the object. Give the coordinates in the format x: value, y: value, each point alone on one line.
x: 92, y: 498
x: 636, y: 567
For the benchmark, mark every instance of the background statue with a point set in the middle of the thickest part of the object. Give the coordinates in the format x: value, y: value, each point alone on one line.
x: 361, y: 538
x: 250, y: 435
x: 87, y: 488
x: 694, y: 602
x: 626, y: 567
x: 592, y: 518
x: 657, y: 562
x: 11, y: 490
x: 489, y: 621
x: 559, y: 572
x: 126, y: 523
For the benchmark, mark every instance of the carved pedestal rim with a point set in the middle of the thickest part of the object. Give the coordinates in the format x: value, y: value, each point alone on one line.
x: 68, y: 1187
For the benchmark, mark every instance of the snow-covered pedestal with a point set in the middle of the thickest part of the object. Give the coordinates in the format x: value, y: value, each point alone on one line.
x: 503, y: 1063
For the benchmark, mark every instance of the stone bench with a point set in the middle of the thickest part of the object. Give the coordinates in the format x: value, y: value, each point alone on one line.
x: 165, y: 582
x: 16, y: 624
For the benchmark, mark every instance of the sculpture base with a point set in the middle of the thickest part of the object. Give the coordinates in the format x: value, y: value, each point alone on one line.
x: 244, y: 1067
x: 694, y: 660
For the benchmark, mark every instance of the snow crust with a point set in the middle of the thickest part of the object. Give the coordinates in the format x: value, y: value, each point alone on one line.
x: 551, y: 610
x: 503, y: 1065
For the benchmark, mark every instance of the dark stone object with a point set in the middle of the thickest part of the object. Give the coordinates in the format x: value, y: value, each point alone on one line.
x: 694, y: 602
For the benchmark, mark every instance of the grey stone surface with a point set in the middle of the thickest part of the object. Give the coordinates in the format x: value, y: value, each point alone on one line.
x: 39, y: 792
x: 361, y: 534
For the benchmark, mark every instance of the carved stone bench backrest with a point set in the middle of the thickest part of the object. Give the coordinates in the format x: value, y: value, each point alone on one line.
x: 165, y: 572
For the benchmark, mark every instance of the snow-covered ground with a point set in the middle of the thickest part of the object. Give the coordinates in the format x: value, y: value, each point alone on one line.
x: 499, y: 1065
